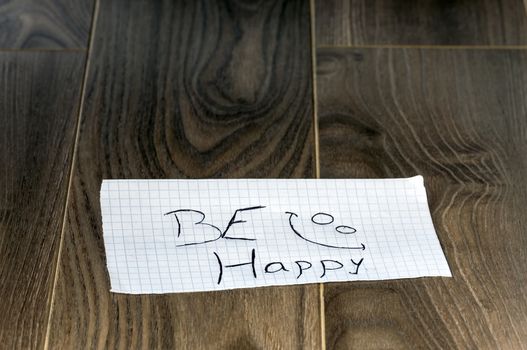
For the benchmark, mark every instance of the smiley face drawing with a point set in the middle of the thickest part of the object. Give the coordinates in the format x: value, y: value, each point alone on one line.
x: 324, y: 219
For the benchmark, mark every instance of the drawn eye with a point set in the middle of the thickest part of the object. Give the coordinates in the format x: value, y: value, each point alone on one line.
x: 345, y: 230
x: 322, y: 219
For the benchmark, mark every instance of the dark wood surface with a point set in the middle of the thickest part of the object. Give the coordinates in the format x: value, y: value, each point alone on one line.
x: 187, y: 90
x: 184, y: 89
x: 38, y: 112
x: 45, y: 24
x: 420, y: 22
x: 459, y: 117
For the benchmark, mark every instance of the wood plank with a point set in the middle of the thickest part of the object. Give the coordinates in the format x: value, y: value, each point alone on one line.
x: 187, y: 90
x: 420, y: 22
x: 459, y: 118
x: 45, y: 24
x: 38, y: 109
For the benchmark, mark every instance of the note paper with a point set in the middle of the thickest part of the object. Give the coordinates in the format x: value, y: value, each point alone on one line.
x: 170, y: 236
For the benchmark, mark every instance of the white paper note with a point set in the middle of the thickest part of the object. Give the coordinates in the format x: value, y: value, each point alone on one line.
x: 169, y: 236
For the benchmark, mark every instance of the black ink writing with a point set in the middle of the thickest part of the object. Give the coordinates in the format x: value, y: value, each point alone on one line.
x: 291, y: 215
x: 329, y: 268
x: 280, y: 267
x: 199, y: 222
x: 191, y: 220
x: 301, y: 268
x: 222, y: 267
x: 220, y: 275
x: 345, y: 230
x: 322, y: 219
x: 234, y: 221
x: 357, y: 266
x: 298, y: 267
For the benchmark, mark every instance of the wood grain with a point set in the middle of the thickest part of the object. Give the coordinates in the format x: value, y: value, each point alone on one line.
x: 459, y: 118
x: 45, y: 24
x: 38, y: 113
x: 187, y: 90
x: 420, y: 22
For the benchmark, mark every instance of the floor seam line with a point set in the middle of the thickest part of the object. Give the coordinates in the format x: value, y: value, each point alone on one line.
x: 321, y: 306
x: 432, y: 47
x: 70, y: 174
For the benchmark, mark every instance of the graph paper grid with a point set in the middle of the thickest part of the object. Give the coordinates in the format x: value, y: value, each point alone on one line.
x: 169, y: 236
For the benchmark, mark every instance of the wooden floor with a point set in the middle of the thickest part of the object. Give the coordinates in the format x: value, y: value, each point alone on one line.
x: 95, y: 89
